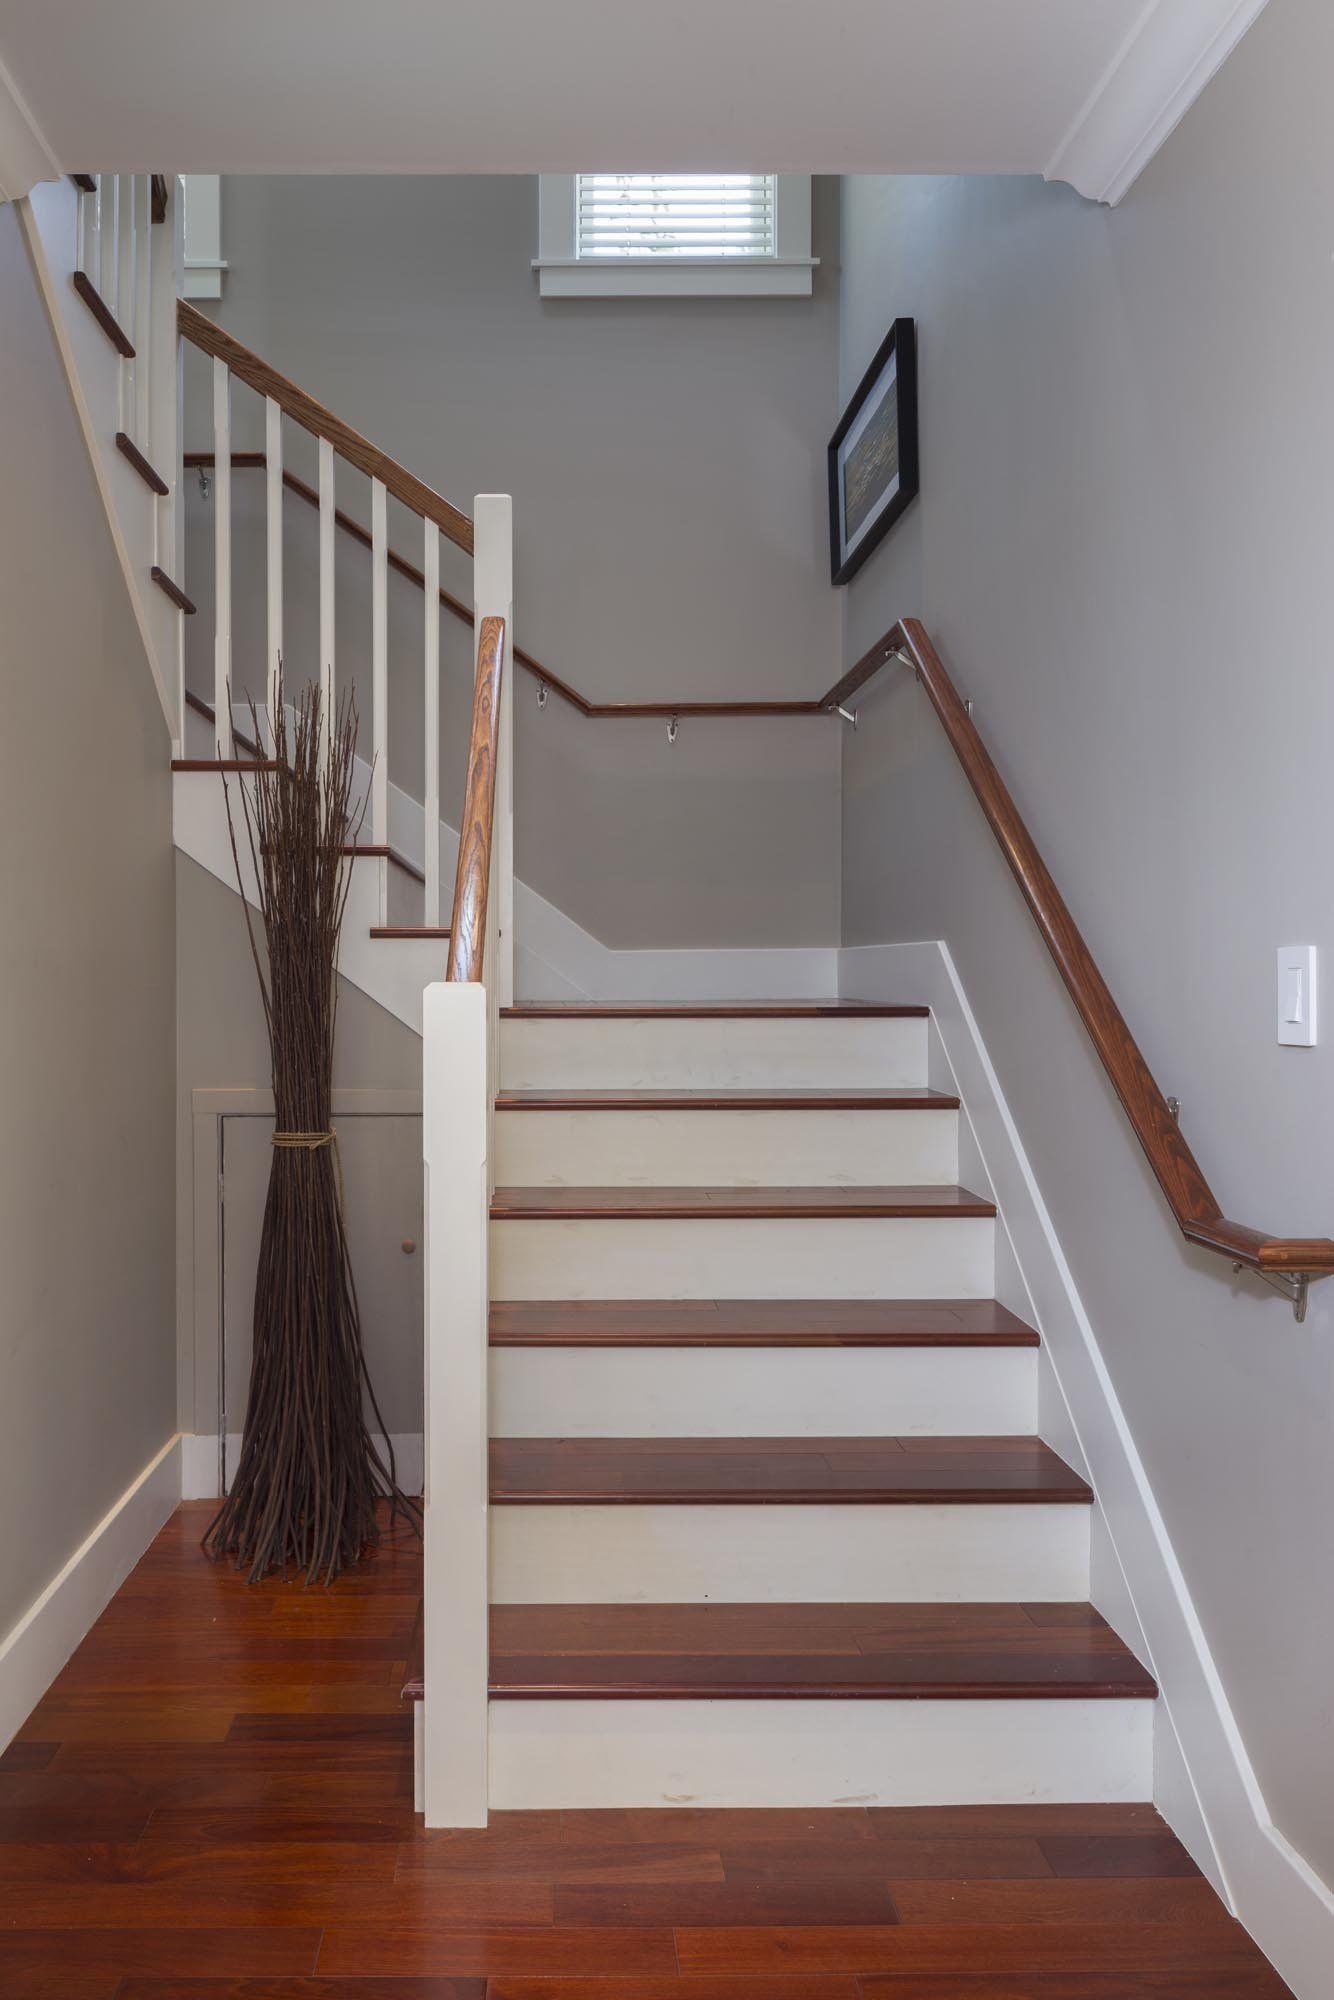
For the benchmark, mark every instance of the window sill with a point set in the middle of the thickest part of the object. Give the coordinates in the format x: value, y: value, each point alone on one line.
x: 682, y: 278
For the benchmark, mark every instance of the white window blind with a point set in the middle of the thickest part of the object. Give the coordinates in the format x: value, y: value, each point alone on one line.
x: 676, y: 215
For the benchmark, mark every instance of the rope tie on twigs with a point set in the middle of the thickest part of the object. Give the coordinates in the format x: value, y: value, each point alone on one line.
x: 312, y: 1142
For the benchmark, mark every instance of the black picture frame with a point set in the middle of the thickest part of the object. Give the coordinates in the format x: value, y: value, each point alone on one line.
x: 895, y: 359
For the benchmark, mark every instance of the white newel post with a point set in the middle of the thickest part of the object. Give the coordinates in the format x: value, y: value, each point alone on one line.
x: 459, y: 1078
x: 456, y: 1135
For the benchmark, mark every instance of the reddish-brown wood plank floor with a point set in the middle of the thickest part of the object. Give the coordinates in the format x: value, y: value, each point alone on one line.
x: 214, y: 1803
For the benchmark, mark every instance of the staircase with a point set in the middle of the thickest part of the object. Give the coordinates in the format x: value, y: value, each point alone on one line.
x: 728, y: 1430
x: 770, y: 1523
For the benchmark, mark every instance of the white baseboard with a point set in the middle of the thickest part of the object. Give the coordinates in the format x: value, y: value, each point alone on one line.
x: 37, y: 1647
x: 1207, y: 1788
x: 201, y: 1470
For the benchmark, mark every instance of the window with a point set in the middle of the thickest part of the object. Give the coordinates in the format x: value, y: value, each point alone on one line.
x: 656, y: 235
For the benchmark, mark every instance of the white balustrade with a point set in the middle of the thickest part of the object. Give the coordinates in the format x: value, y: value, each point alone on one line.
x: 431, y: 723
x: 380, y: 686
x: 222, y: 556
x: 273, y: 522
x: 328, y: 529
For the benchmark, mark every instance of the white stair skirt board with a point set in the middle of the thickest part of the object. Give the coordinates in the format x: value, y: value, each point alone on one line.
x: 652, y: 1148
x: 36, y: 1648
x: 711, y: 1053
x: 864, y: 1257
x: 818, y: 1553
x: 764, y: 1392
x: 546, y: 1754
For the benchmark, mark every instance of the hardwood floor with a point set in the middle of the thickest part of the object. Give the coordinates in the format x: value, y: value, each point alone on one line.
x: 214, y: 1803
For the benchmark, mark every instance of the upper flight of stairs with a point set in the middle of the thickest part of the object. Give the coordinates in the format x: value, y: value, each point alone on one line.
x: 771, y: 1523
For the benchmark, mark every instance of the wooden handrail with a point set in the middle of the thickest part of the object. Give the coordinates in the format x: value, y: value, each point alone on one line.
x: 472, y: 880
x: 207, y: 335
x: 1282, y: 1259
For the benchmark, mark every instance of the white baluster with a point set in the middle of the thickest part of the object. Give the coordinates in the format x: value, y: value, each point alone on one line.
x: 431, y: 712
x: 327, y: 526
x: 493, y: 595
x: 141, y: 333
x: 273, y: 458
x: 380, y: 686
x: 222, y: 553
x: 111, y: 239
x: 94, y: 259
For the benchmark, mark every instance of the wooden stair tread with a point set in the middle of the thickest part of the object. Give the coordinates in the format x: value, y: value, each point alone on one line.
x: 723, y: 1010
x: 757, y: 1323
x: 696, y: 1471
x: 538, y: 1204
x: 409, y: 931
x: 173, y: 590
x: 103, y: 314
x: 813, y: 1651
x: 802, y: 1099
x: 147, y: 471
x: 368, y: 851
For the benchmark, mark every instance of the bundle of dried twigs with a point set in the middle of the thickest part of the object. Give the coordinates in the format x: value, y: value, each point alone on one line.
x: 309, y: 1475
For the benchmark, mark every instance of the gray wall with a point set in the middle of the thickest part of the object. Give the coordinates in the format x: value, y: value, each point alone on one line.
x: 87, y: 1346
x: 666, y: 462
x: 1122, y: 549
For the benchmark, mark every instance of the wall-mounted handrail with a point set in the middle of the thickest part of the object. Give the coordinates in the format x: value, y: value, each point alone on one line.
x: 472, y: 881
x: 241, y: 361
x: 1289, y: 1262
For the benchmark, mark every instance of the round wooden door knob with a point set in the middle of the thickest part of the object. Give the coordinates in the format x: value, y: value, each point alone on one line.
x: 408, y: 1246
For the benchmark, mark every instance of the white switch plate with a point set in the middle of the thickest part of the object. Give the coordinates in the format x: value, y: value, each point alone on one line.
x: 1297, y: 995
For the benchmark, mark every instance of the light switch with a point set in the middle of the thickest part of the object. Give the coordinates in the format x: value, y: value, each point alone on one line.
x: 1297, y: 995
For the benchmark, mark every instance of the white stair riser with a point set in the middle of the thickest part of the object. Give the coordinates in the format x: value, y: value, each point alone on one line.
x: 822, y: 1553
x: 548, y: 1754
x: 909, y: 1257
x: 763, y: 1392
x: 726, y: 1148
x: 713, y: 1052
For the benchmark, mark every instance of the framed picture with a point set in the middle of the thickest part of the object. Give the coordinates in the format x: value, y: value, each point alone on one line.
x: 873, y: 454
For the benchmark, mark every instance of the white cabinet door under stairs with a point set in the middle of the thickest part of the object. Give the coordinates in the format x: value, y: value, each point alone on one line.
x: 380, y: 1159
x: 770, y: 1522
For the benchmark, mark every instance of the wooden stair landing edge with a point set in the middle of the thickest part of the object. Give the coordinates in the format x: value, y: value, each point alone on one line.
x: 858, y: 1652
x: 800, y: 1099
x: 757, y: 1323
x: 665, y: 1204
x: 881, y: 1471
x: 717, y: 1010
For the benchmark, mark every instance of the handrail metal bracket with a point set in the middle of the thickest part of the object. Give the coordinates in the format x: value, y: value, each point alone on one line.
x: 849, y: 715
x: 1294, y: 1286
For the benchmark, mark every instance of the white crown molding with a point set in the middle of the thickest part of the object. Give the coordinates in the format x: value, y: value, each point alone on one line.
x: 1166, y: 60
x: 25, y: 157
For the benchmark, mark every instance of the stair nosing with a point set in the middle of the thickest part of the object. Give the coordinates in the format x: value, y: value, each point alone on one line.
x: 800, y: 1099
x: 796, y: 1010
x: 740, y: 1203
x: 672, y: 1652
x: 592, y: 1323
x: 821, y: 1488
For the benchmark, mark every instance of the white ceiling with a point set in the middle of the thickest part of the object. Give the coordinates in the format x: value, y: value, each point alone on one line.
x: 1083, y: 90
